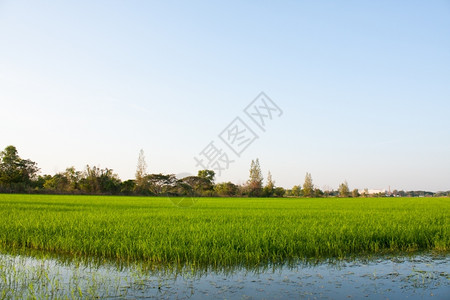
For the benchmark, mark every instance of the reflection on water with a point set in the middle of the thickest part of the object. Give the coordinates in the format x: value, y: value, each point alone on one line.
x: 416, y: 277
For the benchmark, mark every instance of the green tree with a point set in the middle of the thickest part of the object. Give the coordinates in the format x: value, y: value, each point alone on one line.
x: 99, y: 181
x: 90, y: 183
x: 16, y: 174
x: 355, y: 193
x: 343, y: 189
x: 127, y: 187
x: 296, y: 191
x: 318, y: 193
x: 226, y: 189
x: 201, y: 186
x: 254, y: 184
x: 207, y: 174
x: 161, y: 184
x: 65, y: 182
x: 268, y: 190
x: 279, y: 191
x: 38, y: 184
x: 365, y: 193
x: 57, y: 183
x: 308, y: 186
x: 109, y: 182
x: 73, y: 178
x: 141, y: 172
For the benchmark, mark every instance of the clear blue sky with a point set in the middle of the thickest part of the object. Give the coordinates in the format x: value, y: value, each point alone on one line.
x: 364, y: 86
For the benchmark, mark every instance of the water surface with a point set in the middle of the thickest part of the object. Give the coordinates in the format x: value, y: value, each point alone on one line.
x: 398, y: 277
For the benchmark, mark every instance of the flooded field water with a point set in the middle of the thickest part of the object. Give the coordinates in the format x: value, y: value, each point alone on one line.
x: 398, y: 277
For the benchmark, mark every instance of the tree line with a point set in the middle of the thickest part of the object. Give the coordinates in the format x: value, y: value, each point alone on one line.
x: 19, y: 175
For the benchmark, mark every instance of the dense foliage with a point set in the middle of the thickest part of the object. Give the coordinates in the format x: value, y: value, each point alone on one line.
x: 19, y: 175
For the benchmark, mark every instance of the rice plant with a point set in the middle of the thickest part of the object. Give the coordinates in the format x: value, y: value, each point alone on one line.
x: 221, y: 232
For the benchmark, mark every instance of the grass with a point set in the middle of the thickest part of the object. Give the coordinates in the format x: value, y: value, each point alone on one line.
x: 221, y: 231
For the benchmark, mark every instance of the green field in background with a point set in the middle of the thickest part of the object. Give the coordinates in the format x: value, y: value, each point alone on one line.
x: 221, y: 231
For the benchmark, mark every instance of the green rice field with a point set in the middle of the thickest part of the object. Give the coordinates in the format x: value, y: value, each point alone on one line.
x: 221, y: 231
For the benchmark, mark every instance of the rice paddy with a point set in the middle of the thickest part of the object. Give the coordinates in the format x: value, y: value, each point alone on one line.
x: 221, y: 232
